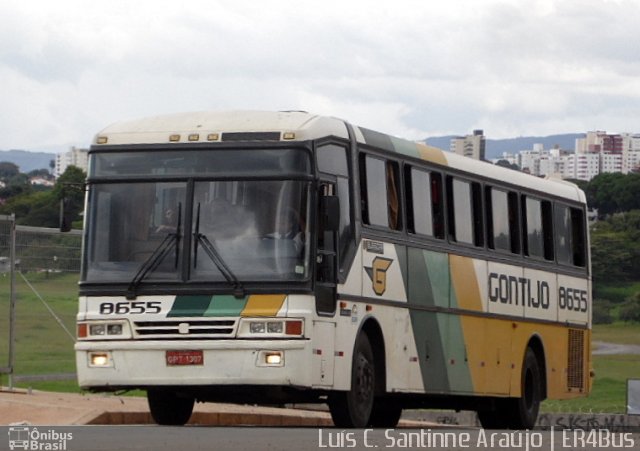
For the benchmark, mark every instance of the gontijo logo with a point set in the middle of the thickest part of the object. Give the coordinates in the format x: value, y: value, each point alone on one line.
x: 378, y: 274
x: 24, y: 437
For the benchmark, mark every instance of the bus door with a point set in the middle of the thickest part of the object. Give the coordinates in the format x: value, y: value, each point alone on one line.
x: 325, y: 286
x: 327, y: 251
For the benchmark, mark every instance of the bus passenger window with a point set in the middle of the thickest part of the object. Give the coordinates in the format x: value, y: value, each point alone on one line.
x: 437, y: 204
x: 562, y: 220
x: 459, y: 200
x: 569, y: 234
x: 380, y: 193
x: 539, y: 229
x: 498, y: 220
x: 393, y: 196
x: 465, y: 213
x: 578, y: 244
x: 419, y: 201
x: 375, y: 192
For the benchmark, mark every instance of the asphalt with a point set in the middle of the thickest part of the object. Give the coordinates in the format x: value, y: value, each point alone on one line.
x: 36, y: 408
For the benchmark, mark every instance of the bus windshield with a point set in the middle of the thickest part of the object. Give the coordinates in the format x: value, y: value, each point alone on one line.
x: 240, y: 230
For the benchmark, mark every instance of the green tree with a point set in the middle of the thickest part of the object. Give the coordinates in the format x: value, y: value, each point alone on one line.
x: 8, y: 170
x: 42, y: 208
x: 615, y: 248
x: 602, y: 312
x: 70, y: 188
x: 630, y: 310
x: 613, y: 192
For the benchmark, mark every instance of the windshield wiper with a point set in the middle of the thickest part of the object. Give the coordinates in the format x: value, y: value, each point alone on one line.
x: 157, y: 256
x: 215, y: 257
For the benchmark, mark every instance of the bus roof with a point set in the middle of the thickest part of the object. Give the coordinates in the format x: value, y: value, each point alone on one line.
x: 303, y: 126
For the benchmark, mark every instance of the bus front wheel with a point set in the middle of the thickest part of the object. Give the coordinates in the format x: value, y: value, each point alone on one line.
x: 169, y: 409
x: 352, y: 409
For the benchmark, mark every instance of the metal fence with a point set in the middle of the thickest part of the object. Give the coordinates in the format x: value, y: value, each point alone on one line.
x: 39, y: 270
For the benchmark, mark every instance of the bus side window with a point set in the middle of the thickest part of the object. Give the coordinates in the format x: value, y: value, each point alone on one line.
x: 419, y: 215
x: 393, y: 199
x: 569, y: 234
x: 465, y: 211
x: 502, y: 220
x: 437, y: 203
x: 562, y: 219
x: 537, y: 218
x: 380, y: 192
x: 579, y: 245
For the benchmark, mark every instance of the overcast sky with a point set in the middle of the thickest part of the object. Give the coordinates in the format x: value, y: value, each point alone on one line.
x: 414, y: 69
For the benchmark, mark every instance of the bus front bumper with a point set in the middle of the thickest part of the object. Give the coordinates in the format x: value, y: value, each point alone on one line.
x: 119, y: 364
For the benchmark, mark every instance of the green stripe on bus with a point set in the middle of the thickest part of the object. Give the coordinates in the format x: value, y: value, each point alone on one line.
x: 226, y: 305
x: 189, y: 306
x: 427, y: 327
x: 405, y: 147
x: 439, y: 336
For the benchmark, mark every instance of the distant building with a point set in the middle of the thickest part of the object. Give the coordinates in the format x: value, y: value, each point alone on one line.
x: 597, y: 153
x: 41, y: 181
x: 472, y: 146
x: 630, y: 153
x: 74, y: 157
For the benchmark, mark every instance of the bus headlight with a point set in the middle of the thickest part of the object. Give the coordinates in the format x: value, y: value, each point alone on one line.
x: 100, y: 360
x: 270, y: 327
x: 270, y: 358
x: 104, y: 330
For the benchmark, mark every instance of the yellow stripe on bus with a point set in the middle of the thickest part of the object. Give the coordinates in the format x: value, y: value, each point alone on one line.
x: 263, y: 305
x: 467, y: 294
x: 432, y: 154
x: 465, y: 283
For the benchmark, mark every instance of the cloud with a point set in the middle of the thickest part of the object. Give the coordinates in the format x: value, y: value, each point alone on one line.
x: 409, y: 68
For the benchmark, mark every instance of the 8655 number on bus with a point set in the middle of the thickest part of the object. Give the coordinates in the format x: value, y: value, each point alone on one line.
x: 572, y: 299
x: 130, y: 308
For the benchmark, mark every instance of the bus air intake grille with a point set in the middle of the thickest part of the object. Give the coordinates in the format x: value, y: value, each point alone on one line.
x: 575, y: 367
x: 185, y: 329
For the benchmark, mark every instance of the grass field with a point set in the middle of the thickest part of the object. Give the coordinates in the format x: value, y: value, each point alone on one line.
x: 43, y: 347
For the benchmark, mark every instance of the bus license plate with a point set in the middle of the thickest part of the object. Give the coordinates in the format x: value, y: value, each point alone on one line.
x: 175, y: 358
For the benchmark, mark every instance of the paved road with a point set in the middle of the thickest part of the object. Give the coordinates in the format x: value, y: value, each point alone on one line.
x: 602, y: 348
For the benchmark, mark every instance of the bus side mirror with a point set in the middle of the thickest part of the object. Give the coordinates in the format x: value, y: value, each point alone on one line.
x: 330, y: 213
x: 65, y: 215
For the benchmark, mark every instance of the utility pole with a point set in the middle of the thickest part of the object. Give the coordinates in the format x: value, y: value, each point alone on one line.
x: 12, y: 308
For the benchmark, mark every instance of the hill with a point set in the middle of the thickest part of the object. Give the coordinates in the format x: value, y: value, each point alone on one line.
x: 27, y: 161
x: 495, y: 147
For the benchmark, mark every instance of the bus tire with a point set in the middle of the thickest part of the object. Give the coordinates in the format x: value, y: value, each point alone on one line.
x: 522, y: 412
x: 493, y: 418
x: 385, y: 414
x: 352, y: 409
x: 169, y: 409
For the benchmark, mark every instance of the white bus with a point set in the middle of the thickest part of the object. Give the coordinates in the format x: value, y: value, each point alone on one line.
x: 274, y: 257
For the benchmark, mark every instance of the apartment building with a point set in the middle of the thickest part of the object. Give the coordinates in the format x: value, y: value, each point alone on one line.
x: 74, y: 157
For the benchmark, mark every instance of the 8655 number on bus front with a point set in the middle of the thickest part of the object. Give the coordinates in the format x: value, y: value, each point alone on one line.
x: 130, y: 308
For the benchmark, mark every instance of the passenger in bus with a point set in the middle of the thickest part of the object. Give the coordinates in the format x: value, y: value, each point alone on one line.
x: 169, y: 221
x: 289, y: 226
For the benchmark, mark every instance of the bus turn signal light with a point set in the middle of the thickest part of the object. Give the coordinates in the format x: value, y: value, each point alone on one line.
x: 294, y: 328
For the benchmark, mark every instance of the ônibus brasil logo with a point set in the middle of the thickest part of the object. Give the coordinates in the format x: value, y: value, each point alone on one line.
x: 31, y: 438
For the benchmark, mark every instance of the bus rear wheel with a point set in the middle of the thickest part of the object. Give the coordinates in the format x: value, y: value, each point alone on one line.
x: 518, y: 413
x: 169, y: 409
x: 352, y: 409
x: 523, y: 411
